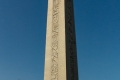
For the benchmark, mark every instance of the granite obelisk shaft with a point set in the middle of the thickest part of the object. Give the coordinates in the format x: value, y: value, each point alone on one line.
x: 61, y: 55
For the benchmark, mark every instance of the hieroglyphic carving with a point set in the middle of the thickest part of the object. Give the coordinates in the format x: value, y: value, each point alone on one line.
x: 54, y: 55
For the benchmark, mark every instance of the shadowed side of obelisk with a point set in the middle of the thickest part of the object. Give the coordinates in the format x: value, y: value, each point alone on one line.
x: 71, y: 53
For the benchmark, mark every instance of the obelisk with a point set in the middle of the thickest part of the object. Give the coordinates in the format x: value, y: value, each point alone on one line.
x: 61, y: 55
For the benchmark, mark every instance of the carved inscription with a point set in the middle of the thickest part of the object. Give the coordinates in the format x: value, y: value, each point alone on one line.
x: 55, y: 27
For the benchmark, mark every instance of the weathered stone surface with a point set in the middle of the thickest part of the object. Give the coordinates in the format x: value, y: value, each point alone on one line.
x: 60, y: 57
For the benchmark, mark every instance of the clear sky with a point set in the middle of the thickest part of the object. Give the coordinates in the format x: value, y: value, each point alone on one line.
x: 22, y: 39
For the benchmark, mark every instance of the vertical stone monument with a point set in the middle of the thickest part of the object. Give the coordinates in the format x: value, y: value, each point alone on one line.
x: 61, y: 56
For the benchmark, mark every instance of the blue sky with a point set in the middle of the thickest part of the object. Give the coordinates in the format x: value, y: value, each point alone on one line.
x: 22, y: 39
